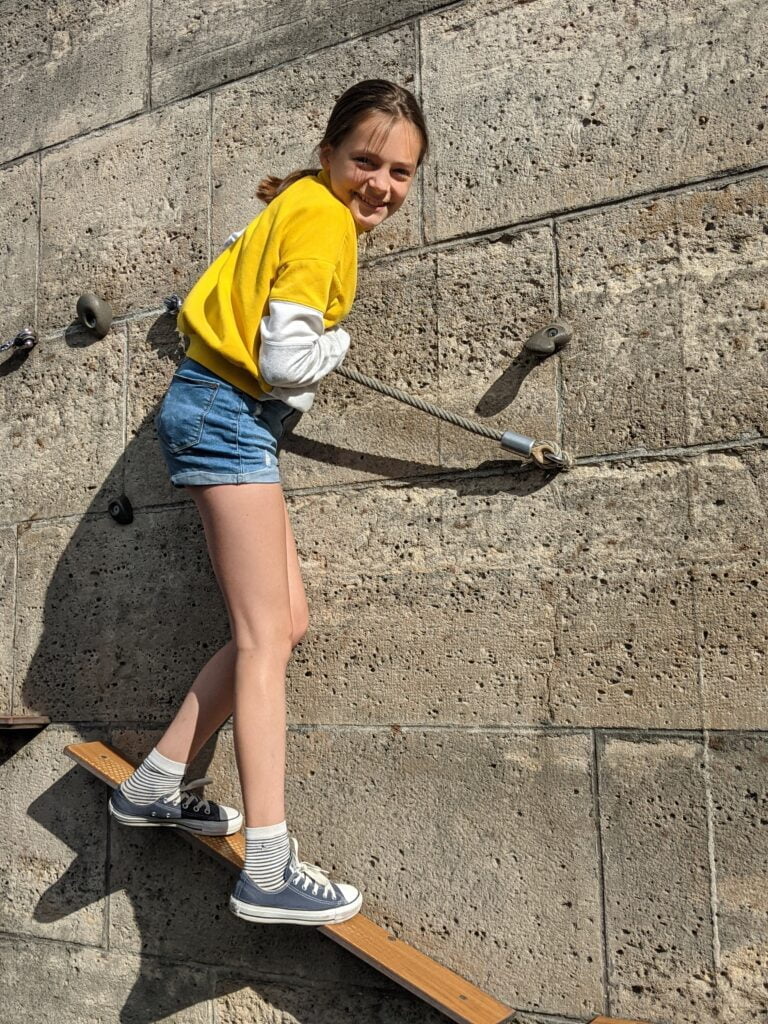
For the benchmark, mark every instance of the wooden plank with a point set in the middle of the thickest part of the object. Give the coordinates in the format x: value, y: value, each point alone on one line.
x: 416, y: 972
x: 457, y: 998
x: 614, y: 1020
x: 23, y: 721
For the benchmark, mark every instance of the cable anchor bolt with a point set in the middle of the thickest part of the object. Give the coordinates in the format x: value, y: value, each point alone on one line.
x: 26, y: 339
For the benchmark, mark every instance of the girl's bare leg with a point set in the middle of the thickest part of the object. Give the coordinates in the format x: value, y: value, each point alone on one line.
x: 210, y: 700
x: 206, y: 707
x: 247, y: 533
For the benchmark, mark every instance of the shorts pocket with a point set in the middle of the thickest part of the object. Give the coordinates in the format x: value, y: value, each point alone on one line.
x: 181, y: 417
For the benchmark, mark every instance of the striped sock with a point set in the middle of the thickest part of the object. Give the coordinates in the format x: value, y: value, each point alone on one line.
x: 267, y: 851
x: 156, y: 776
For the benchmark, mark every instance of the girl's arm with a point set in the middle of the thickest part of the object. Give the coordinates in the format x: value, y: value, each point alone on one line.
x: 296, y: 350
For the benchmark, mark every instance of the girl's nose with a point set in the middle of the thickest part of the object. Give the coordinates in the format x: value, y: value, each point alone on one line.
x: 379, y: 183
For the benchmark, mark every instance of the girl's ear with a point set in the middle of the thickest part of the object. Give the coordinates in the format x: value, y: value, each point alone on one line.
x: 324, y: 154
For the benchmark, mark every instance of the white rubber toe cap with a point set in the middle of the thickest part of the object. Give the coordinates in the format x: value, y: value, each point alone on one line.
x: 349, y: 892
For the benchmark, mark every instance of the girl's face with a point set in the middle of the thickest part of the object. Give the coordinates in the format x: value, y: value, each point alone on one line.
x: 372, y: 168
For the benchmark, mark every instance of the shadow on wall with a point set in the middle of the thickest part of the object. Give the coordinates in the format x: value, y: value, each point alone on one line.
x: 113, y: 623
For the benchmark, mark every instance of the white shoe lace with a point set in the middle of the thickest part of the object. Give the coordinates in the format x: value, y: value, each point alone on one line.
x: 186, y: 800
x: 309, y: 873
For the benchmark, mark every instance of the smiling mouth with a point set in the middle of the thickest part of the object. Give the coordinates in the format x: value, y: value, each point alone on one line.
x: 371, y: 206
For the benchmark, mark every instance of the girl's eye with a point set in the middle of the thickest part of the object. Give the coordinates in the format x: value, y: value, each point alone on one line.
x: 362, y: 159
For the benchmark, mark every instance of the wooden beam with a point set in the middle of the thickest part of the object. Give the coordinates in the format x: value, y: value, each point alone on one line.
x: 24, y: 721
x: 457, y: 998
x: 614, y: 1020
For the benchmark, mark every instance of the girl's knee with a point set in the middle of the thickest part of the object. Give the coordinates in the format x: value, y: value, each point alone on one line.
x: 273, y: 638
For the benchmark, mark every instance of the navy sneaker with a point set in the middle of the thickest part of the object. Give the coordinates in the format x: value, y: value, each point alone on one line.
x: 180, y: 809
x: 307, y: 897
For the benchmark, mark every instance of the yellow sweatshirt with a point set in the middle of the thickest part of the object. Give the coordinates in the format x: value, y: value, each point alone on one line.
x: 287, y: 280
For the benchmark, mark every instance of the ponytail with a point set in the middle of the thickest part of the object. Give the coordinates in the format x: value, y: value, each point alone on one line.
x: 270, y: 187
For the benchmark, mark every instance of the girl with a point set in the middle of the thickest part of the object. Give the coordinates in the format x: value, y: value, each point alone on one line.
x: 263, y: 329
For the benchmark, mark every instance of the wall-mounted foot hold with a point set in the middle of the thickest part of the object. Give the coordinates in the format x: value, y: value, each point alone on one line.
x: 24, y: 340
x: 121, y: 510
x: 95, y: 313
x: 549, y: 339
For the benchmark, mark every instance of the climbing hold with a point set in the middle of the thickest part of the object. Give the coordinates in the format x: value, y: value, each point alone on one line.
x: 121, y: 511
x: 95, y: 313
x: 549, y: 339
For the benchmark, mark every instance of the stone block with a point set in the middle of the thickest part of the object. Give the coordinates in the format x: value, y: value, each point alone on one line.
x: 724, y: 329
x: 626, y: 649
x: 426, y: 647
x: 125, y: 214
x: 491, y: 296
x: 733, y: 642
x: 52, y: 857
x: 83, y: 984
x: 510, y: 520
x: 729, y: 493
x: 739, y: 812
x: 623, y: 372
x: 7, y: 607
x: 113, y: 622
x: 619, y: 514
x: 513, y: 520
x: 270, y: 124
x: 353, y: 433
x: 669, y: 321
x: 395, y: 528
x: 653, y: 821
x: 756, y: 463
x: 199, y: 45
x: 19, y: 209
x: 74, y: 69
x: 155, y: 350
x: 239, y: 998
x: 61, y: 439
x: 478, y: 848
x: 658, y: 95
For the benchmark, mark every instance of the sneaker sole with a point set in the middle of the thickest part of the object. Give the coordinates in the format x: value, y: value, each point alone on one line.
x: 272, y: 915
x: 222, y: 828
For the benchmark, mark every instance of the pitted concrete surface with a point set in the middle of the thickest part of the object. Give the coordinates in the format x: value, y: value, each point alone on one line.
x: 7, y: 614
x: 672, y: 321
x: 61, y: 411
x: 655, y: 846
x: 52, y: 862
x: 19, y: 206
x: 200, y: 45
x: 125, y: 213
x: 74, y: 69
x: 552, y: 105
x: 527, y: 718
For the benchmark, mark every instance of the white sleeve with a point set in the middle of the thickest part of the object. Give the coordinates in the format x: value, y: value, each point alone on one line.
x: 233, y: 238
x: 295, y: 350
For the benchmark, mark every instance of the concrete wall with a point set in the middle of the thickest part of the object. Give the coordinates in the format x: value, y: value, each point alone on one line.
x: 529, y: 718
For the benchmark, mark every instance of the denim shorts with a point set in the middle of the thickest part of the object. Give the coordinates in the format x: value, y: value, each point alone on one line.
x: 213, y: 433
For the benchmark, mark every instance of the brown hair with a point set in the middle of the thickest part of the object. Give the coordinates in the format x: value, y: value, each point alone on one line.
x: 375, y: 94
